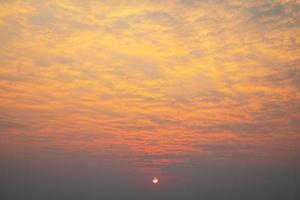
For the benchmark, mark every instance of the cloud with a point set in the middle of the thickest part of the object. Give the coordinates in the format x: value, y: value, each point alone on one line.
x: 177, y: 74
x: 5, y: 125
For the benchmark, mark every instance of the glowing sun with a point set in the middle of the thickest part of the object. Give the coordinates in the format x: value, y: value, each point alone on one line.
x: 155, y: 180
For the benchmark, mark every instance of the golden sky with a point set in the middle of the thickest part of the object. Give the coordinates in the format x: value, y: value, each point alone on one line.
x: 152, y: 82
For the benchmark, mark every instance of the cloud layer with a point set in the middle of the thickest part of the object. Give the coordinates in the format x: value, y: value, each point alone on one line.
x: 153, y: 82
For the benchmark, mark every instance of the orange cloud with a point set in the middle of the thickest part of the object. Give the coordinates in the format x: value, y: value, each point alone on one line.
x: 164, y: 82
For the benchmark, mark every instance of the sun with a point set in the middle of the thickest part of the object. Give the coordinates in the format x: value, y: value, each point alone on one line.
x: 155, y: 180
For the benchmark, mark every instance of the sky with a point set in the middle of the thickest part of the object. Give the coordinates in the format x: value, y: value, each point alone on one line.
x: 99, y: 97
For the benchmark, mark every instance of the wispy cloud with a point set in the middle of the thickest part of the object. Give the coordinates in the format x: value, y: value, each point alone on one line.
x: 161, y: 79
